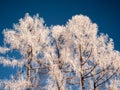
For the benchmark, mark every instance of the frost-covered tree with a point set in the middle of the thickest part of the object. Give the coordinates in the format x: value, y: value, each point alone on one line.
x: 66, y: 57
x: 30, y: 38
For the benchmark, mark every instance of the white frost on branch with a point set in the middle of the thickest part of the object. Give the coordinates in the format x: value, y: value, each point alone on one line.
x: 11, y: 62
x: 20, y: 84
x: 4, y: 50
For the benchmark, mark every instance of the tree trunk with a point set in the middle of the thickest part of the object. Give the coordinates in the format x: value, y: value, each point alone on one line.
x: 82, y: 82
x: 94, y: 86
x: 81, y: 73
x: 29, y: 66
x: 59, y: 88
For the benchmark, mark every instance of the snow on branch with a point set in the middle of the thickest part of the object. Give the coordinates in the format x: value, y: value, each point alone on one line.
x: 4, y: 50
x: 20, y: 84
x: 11, y: 62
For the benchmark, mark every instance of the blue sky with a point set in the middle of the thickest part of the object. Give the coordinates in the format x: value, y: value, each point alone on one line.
x: 106, y: 13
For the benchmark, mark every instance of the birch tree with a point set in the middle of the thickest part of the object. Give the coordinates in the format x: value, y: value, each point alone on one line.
x: 30, y: 38
x: 72, y: 56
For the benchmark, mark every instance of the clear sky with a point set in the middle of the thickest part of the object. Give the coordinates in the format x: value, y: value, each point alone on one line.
x: 106, y: 13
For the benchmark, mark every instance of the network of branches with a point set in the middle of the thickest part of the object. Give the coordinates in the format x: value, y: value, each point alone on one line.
x: 61, y: 57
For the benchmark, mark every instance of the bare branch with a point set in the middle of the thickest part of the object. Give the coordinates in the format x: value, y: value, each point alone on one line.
x: 107, y: 78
